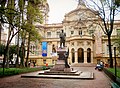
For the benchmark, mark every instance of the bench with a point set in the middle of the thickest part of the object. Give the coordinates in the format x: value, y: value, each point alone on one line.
x: 114, y: 85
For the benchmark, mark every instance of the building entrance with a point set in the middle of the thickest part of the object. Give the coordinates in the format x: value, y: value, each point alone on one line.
x: 73, y: 55
x: 89, y: 55
x: 80, y: 55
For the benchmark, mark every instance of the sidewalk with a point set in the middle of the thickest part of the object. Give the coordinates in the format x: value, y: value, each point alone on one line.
x: 100, y: 81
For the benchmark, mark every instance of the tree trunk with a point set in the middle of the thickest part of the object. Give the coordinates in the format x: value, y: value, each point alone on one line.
x: 8, y: 42
x: 5, y: 56
x: 17, y: 59
x: 0, y: 32
x: 110, y: 51
x: 23, y: 54
x: 28, y: 50
x: 7, y: 63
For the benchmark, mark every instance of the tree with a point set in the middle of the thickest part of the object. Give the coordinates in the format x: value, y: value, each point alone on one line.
x: 12, y: 12
x: 107, y: 10
x: 2, y: 49
x: 22, y: 33
x: 2, y: 5
x: 12, y: 51
x: 9, y: 16
x: 33, y: 15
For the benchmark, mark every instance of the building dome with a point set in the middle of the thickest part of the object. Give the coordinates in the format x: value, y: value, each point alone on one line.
x: 82, y: 12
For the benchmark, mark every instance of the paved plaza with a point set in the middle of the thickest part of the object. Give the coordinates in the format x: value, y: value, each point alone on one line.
x: 100, y: 81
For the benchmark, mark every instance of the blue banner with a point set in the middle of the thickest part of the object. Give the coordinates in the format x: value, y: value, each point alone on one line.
x: 44, y: 49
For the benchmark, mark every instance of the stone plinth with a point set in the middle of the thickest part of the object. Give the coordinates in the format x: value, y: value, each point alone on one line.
x: 61, y: 53
x: 67, y: 69
x: 60, y: 64
x: 58, y: 67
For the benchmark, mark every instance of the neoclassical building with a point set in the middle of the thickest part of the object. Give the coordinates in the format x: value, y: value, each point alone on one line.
x: 84, y: 37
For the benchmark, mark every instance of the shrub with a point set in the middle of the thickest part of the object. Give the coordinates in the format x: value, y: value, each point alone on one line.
x: 15, y: 71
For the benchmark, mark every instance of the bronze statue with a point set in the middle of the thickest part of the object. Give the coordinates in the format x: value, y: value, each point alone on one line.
x: 66, y: 57
x: 62, y: 39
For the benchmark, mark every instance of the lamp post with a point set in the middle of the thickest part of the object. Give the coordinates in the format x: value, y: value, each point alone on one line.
x: 115, y: 62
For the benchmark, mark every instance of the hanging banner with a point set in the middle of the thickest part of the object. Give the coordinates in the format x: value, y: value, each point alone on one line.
x: 44, y: 49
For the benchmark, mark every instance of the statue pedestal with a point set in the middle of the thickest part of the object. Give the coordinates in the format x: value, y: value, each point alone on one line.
x: 61, y: 64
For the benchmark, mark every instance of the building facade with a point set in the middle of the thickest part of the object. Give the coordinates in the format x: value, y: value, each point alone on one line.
x: 84, y: 37
x: 3, y: 37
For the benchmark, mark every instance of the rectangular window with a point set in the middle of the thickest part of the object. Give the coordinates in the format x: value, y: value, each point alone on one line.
x: 118, y: 31
x: 52, y: 61
x: 98, y: 61
x: 72, y: 32
x: 49, y: 34
x: 91, y: 32
x: 44, y: 61
x: 58, y: 33
x: 80, y: 32
x: 55, y: 61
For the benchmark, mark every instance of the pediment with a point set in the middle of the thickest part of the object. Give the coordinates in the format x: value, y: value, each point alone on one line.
x: 81, y: 14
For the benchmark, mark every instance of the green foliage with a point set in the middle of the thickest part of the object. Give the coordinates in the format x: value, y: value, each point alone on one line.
x: 2, y: 49
x: 117, y: 3
x: 2, y: 11
x: 46, y: 67
x: 12, y: 50
x: 21, y: 4
x: 35, y: 36
x: 37, y: 2
x: 12, y: 12
x: 113, y: 71
x: 33, y: 12
x: 15, y: 71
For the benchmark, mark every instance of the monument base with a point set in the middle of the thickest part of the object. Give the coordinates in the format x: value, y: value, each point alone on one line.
x: 61, y: 64
x: 68, y: 69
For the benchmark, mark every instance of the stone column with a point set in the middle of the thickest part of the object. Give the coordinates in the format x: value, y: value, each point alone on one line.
x: 91, y: 56
x: 40, y: 53
x: 70, y: 57
x: 85, y: 56
x: 49, y: 49
x: 76, y: 57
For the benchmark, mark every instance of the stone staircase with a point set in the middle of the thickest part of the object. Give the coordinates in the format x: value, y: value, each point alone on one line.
x: 71, y: 73
x: 83, y: 65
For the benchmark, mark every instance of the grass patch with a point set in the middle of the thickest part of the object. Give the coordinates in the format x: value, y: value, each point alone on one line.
x: 113, y: 71
x: 16, y: 71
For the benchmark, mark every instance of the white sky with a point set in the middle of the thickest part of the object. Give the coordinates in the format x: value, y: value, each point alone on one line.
x: 58, y: 8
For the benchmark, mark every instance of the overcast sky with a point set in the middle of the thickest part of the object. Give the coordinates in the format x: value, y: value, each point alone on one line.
x: 58, y: 8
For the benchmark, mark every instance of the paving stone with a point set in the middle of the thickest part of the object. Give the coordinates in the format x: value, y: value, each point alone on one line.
x: 100, y: 81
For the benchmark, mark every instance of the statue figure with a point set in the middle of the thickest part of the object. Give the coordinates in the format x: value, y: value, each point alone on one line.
x: 62, y: 39
x: 66, y: 59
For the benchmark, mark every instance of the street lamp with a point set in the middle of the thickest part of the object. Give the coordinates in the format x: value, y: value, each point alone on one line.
x: 115, y: 62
